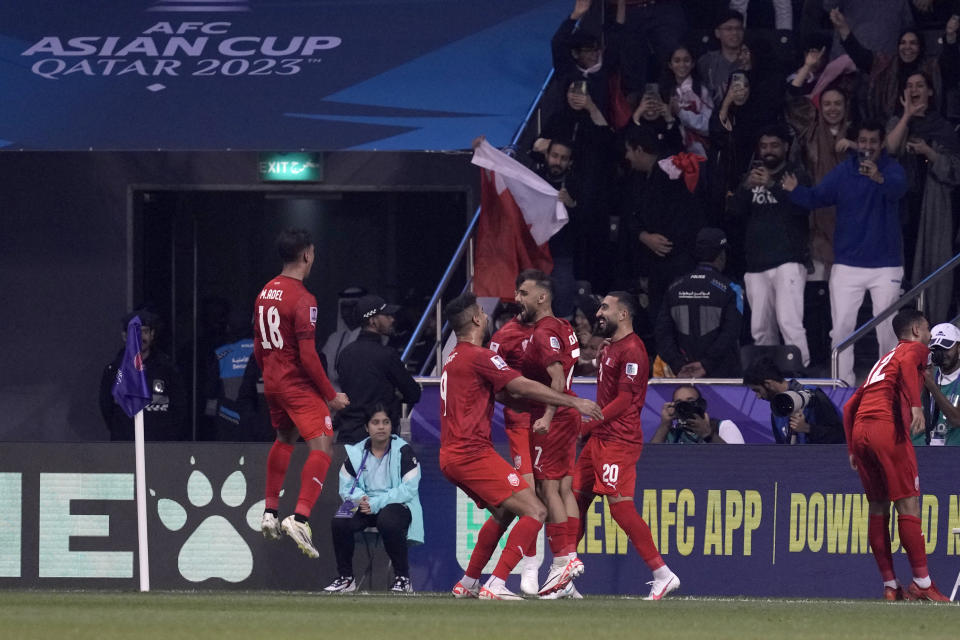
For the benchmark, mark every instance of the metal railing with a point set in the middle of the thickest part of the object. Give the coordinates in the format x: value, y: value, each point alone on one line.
x: 917, y: 293
x: 464, y: 248
x: 432, y: 381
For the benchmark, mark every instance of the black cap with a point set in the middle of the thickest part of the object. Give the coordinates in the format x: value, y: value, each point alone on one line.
x: 369, y: 306
x: 710, y: 241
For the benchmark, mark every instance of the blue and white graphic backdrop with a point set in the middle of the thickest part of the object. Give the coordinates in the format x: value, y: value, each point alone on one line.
x: 270, y: 74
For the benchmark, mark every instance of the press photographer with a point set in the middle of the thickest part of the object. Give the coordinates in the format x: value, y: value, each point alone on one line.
x: 798, y: 414
x: 685, y: 420
x: 943, y: 384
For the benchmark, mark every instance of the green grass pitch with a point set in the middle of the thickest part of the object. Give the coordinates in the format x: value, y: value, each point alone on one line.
x: 67, y: 615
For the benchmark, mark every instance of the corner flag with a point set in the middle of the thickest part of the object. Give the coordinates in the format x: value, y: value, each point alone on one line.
x: 130, y: 386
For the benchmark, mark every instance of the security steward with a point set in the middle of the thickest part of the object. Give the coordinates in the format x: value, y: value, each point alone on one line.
x: 698, y: 328
x: 371, y: 372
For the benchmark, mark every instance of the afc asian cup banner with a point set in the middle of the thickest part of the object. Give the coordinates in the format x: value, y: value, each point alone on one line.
x: 268, y: 74
x: 756, y: 520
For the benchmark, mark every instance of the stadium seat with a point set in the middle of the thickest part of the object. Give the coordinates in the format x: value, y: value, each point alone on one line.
x: 785, y: 356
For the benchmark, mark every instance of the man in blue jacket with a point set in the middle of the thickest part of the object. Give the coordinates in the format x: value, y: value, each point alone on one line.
x: 379, y: 484
x: 866, y: 189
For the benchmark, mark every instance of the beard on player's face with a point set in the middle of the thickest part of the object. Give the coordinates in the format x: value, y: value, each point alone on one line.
x: 606, y: 327
x: 527, y: 312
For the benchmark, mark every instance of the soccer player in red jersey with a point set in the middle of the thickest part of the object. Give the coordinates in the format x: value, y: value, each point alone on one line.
x: 509, y: 342
x: 879, y: 420
x: 472, y: 377
x: 295, y: 386
x: 607, y: 465
x: 549, y: 358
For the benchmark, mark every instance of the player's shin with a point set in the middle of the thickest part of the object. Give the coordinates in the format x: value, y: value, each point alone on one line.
x: 911, y: 537
x: 625, y: 514
x: 311, y: 481
x: 487, y: 539
x: 526, y: 529
x: 879, y: 537
x: 277, y: 462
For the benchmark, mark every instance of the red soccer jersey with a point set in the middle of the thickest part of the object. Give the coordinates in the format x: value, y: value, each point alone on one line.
x: 893, y: 385
x: 470, y: 379
x: 509, y: 342
x: 284, y: 313
x: 623, y: 368
x: 553, y: 340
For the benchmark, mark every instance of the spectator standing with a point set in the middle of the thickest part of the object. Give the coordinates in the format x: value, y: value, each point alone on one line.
x: 777, y: 251
x: 698, y: 328
x: 866, y: 189
x: 716, y: 66
x: 371, y: 373
x: 379, y: 485
x: 165, y: 418
x: 688, y: 99
x: 567, y: 247
x: 927, y: 146
x: 942, y: 411
x: 818, y: 422
x: 820, y: 145
x: 347, y: 330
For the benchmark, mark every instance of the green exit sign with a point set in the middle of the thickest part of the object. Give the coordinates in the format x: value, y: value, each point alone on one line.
x: 290, y: 167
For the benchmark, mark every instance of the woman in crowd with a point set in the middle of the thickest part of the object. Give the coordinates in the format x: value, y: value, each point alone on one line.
x: 926, y: 145
x: 379, y: 484
x: 820, y: 144
x: 688, y: 100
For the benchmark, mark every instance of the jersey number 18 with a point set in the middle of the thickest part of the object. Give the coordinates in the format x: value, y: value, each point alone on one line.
x: 275, y: 340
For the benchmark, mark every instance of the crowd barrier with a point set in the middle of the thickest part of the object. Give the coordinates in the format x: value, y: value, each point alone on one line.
x: 760, y: 520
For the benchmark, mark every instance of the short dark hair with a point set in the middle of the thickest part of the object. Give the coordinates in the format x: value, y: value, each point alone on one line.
x: 774, y: 130
x: 905, y: 319
x: 872, y: 125
x: 687, y: 386
x: 642, y: 138
x: 291, y: 243
x: 562, y: 142
x: 760, y: 371
x: 726, y: 16
x: 460, y: 310
x: 541, y: 279
x: 627, y: 300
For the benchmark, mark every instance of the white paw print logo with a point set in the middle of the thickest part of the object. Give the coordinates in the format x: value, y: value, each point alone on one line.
x: 215, y: 549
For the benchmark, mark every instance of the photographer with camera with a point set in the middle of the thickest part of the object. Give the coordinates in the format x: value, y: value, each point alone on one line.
x: 943, y: 384
x: 379, y: 484
x: 798, y: 414
x: 685, y: 420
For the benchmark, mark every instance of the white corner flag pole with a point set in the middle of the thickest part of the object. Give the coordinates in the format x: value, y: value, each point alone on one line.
x: 141, y: 476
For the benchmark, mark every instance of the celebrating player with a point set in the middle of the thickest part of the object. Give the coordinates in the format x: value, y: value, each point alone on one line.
x: 549, y: 358
x: 471, y: 377
x: 509, y: 342
x: 608, y: 462
x: 879, y: 420
x: 295, y: 386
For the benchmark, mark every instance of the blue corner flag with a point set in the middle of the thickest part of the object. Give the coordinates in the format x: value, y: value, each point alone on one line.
x: 130, y: 386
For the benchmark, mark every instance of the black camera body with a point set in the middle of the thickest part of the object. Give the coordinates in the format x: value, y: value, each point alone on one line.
x: 690, y: 409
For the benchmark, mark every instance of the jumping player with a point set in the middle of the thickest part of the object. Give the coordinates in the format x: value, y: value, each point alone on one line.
x: 608, y: 462
x: 879, y: 420
x: 549, y: 358
x: 472, y: 376
x: 509, y: 342
x: 295, y: 386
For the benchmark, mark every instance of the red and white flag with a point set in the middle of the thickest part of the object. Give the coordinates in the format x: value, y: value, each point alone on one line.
x: 519, y: 213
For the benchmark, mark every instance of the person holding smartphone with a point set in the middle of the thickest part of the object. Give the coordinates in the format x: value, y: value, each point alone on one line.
x: 866, y: 190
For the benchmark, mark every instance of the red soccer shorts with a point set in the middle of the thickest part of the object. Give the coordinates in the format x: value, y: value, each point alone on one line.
x: 485, y: 477
x: 607, y: 468
x: 305, y: 410
x: 554, y: 452
x: 887, y: 468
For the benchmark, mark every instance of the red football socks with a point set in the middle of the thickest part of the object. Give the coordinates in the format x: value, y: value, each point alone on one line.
x: 557, y: 537
x: 487, y: 539
x: 526, y: 529
x: 277, y: 462
x: 879, y: 537
x: 625, y: 514
x: 573, y: 535
x: 531, y: 549
x: 311, y: 481
x: 911, y: 537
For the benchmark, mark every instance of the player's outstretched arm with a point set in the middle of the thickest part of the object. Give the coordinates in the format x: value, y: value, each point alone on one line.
x: 533, y: 390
